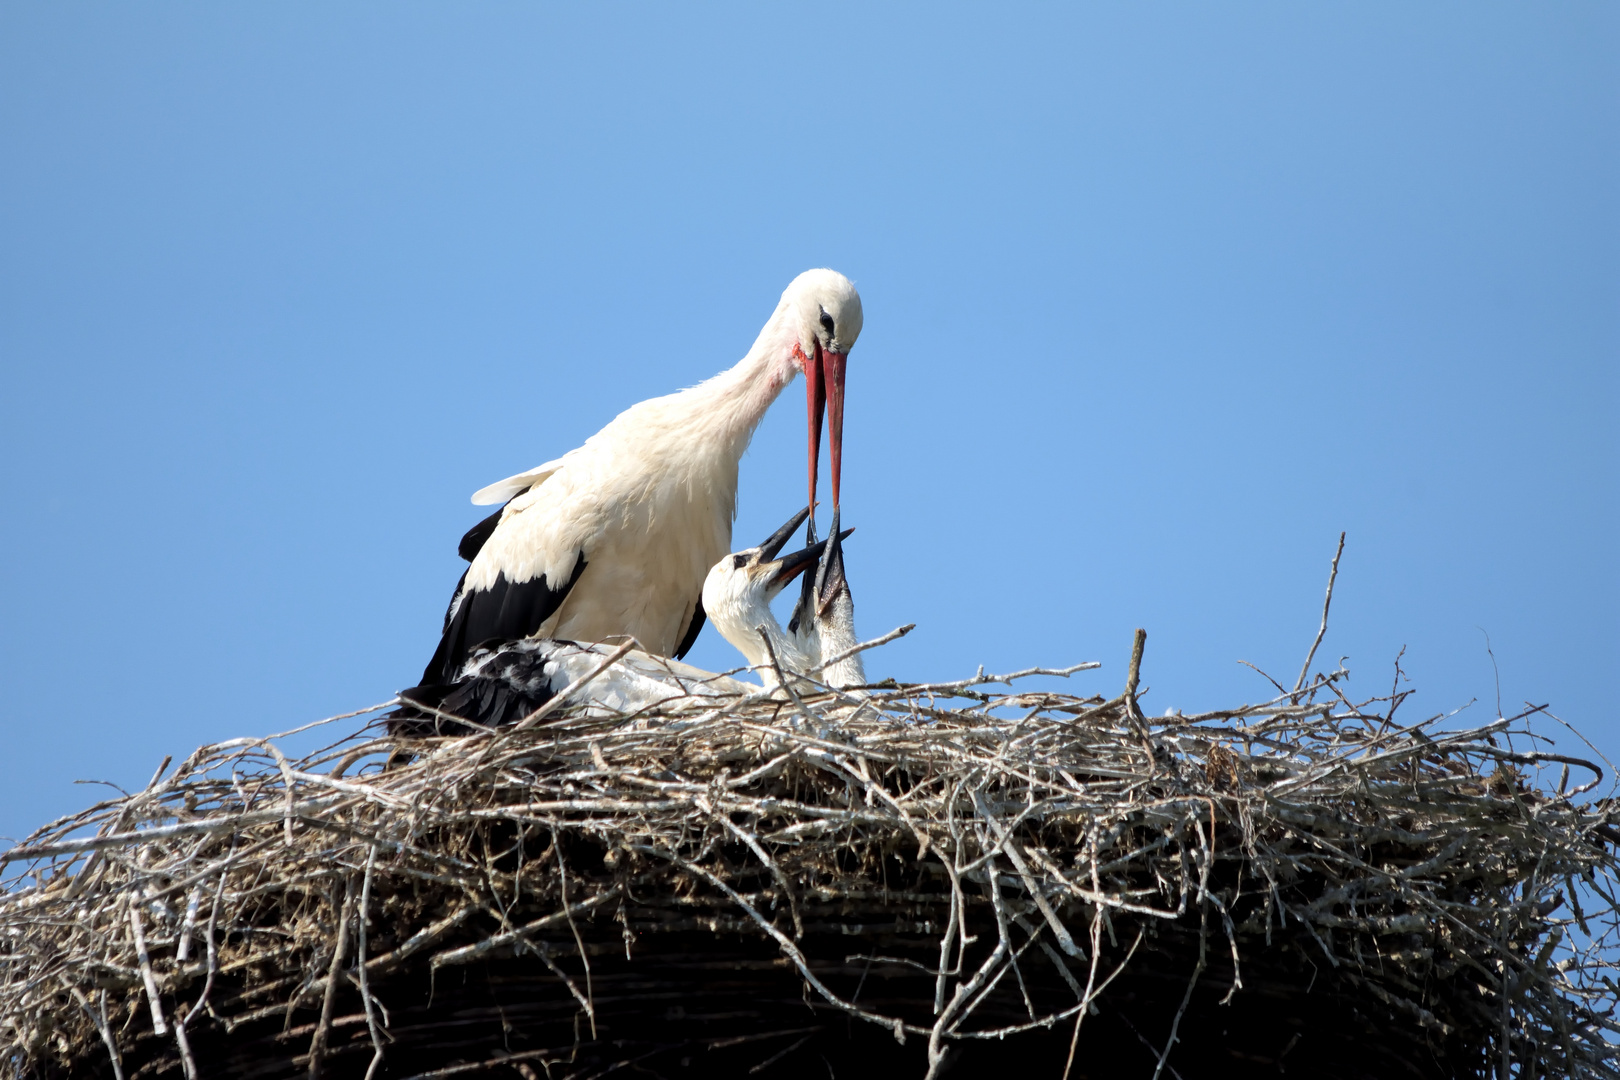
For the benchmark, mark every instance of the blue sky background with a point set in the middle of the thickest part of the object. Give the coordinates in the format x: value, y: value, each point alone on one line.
x: 1159, y: 299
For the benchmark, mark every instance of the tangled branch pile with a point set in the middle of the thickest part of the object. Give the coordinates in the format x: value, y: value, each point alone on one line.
x: 825, y: 883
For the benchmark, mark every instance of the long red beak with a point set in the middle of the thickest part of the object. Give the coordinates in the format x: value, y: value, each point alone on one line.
x: 815, y: 401
x: 833, y: 363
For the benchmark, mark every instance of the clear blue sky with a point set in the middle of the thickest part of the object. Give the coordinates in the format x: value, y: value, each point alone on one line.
x: 1159, y: 298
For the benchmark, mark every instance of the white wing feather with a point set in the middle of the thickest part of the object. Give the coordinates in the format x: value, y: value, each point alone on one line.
x: 502, y: 490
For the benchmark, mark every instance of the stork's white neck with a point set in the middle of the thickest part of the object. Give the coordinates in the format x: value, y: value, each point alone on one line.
x: 737, y: 399
x: 837, y: 634
x: 740, y: 617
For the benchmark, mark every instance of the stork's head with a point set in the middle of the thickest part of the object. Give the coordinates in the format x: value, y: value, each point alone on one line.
x: 825, y: 311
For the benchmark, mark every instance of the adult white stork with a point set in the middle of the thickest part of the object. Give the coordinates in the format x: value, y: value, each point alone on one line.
x: 503, y: 682
x: 617, y: 536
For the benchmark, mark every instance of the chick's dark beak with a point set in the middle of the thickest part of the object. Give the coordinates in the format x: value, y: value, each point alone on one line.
x: 830, y: 579
x: 791, y: 566
x: 775, y: 542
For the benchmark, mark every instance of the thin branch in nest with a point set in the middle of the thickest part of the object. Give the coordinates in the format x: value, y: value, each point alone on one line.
x: 362, y: 918
x: 144, y: 960
x: 587, y: 1002
x: 98, y: 1017
x: 1327, y: 602
x: 897, y: 632
x: 317, y: 1042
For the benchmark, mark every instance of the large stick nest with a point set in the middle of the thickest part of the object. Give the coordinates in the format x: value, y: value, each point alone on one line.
x: 821, y: 884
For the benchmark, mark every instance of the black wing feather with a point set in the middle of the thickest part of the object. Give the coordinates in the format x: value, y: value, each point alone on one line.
x: 474, y: 539
x: 693, y: 628
x: 510, y: 683
x: 505, y: 611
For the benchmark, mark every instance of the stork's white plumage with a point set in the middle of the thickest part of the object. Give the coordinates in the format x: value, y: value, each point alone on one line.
x: 616, y: 537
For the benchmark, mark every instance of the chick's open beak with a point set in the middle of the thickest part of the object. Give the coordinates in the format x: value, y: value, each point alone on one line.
x: 774, y: 542
x: 788, y: 567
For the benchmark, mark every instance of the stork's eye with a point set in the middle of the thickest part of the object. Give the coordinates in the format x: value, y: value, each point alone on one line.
x: 738, y: 562
x: 827, y: 323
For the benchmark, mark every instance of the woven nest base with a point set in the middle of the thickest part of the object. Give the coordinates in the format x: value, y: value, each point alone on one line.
x: 928, y: 880
x: 713, y: 1003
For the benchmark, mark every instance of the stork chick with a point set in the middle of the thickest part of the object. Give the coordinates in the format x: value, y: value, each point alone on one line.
x: 738, y: 594
x: 835, y: 617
